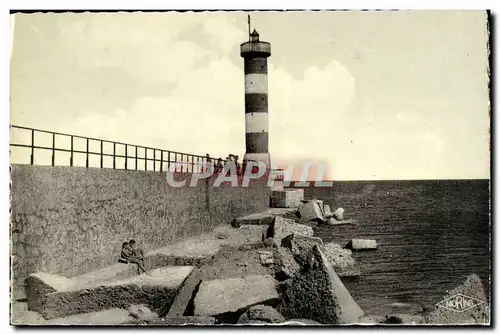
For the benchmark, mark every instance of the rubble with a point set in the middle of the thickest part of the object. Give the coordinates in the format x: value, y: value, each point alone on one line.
x: 320, y: 287
x: 285, y: 265
x: 262, y: 313
x: 266, y: 257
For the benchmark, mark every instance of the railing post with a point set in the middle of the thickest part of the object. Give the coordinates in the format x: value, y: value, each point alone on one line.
x: 182, y: 165
x: 32, y: 146
x: 145, y: 159
x: 161, y: 161
x: 136, y: 157
x: 154, y: 159
x: 168, y: 162
x: 126, y: 156
x: 87, y: 160
x: 53, y: 149
x: 71, y: 157
x: 101, y: 153
x: 114, y: 153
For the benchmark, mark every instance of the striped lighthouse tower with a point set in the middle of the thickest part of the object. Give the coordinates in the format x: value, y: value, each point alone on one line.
x: 255, y: 54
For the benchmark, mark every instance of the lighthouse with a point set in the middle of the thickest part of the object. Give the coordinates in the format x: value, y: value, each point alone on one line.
x: 255, y: 54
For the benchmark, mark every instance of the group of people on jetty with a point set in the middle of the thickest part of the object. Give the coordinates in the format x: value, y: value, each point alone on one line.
x: 231, y: 159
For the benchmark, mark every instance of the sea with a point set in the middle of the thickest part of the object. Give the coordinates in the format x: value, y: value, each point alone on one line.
x: 431, y: 235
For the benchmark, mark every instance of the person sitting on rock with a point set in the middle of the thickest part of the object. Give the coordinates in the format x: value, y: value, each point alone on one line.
x: 136, y: 257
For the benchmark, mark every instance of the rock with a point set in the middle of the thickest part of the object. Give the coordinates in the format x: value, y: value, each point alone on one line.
x: 221, y: 296
x: 327, y: 211
x: 362, y: 244
x: 341, y: 260
x: 266, y: 257
x: 263, y: 313
x: 300, y: 246
x: 270, y: 243
x: 319, y: 294
x: 142, y: 312
x: 311, y: 211
x: 221, y: 235
x: 281, y: 227
x: 405, y: 319
x: 339, y: 214
x: 464, y: 304
x: 285, y: 265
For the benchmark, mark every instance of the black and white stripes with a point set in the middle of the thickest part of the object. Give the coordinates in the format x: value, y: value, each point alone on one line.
x: 255, y: 55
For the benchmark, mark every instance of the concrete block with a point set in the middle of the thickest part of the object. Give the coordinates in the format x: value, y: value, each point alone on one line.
x: 37, y: 285
x: 327, y: 211
x: 332, y: 221
x: 311, y: 211
x: 155, y: 289
x: 221, y: 296
x: 288, y: 198
x: 264, y: 218
x: 339, y: 214
x: 362, y: 244
x: 193, y: 251
x: 281, y: 227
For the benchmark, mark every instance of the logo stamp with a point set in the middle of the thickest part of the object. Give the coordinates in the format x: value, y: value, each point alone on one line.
x: 459, y: 303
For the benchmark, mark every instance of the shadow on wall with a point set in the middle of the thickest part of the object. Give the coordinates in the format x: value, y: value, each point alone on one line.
x: 72, y: 220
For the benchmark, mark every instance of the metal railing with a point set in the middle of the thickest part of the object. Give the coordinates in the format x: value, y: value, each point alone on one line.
x: 128, y: 155
x: 131, y: 155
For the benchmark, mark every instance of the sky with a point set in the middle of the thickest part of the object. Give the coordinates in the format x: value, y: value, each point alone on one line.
x: 372, y: 95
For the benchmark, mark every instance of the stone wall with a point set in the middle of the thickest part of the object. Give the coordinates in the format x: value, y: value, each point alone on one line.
x: 72, y: 220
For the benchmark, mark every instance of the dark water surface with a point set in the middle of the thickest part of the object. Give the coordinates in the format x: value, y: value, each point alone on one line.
x: 431, y: 235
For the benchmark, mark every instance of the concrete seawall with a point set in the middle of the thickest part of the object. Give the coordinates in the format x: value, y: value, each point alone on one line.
x: 72, y: 220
